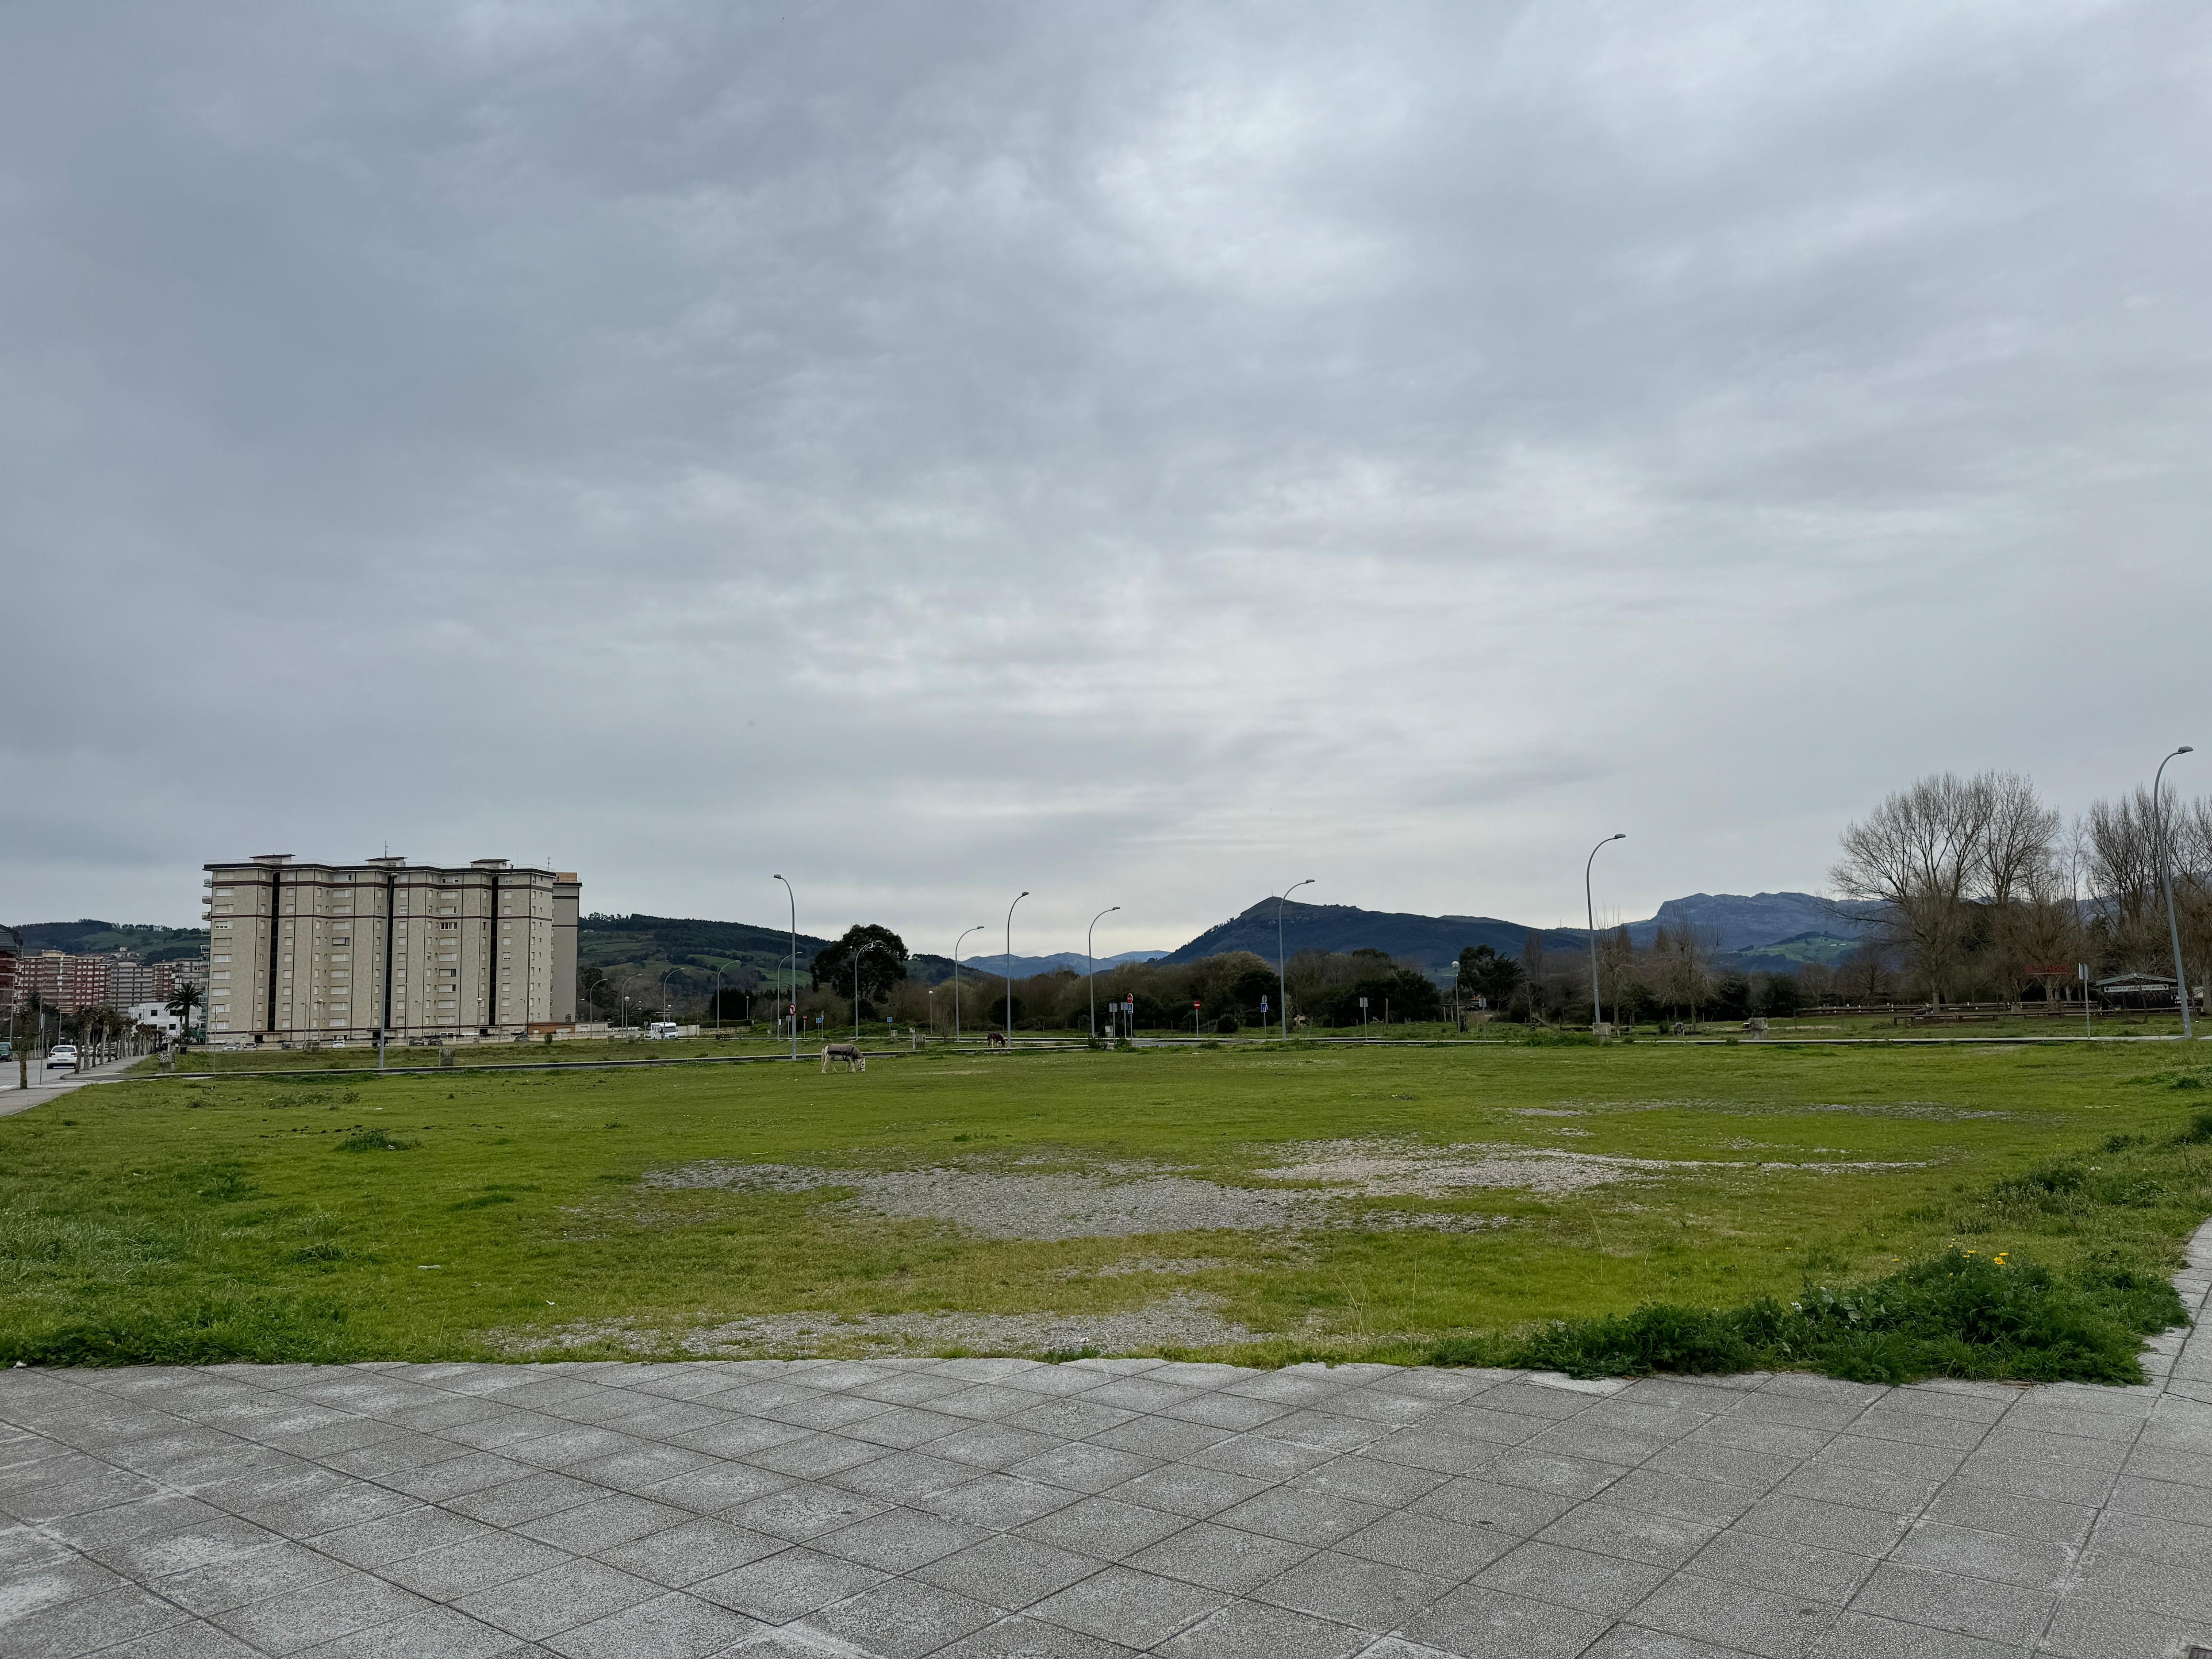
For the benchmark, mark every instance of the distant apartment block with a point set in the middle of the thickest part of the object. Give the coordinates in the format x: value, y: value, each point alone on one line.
x: 11, y: 956
x: 61, y: 981
x: 319, y: 951
x: 67, y: 983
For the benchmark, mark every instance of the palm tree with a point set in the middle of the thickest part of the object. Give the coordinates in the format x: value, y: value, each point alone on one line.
x: 182, y: 1002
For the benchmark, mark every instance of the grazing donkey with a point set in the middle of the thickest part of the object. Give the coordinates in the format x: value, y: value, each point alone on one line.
x: 998, y: 1040
x: 853, y: 1059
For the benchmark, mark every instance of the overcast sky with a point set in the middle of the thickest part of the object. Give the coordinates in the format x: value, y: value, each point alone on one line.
x: 1144, y: 454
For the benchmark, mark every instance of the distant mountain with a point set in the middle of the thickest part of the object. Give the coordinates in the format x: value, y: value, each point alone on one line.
x: 1788, y: 955
x: 650, y: 943
x: 1799, y: 927
x: 1023, y: 967
x: 1430, y: 941
x: 1739, y: 921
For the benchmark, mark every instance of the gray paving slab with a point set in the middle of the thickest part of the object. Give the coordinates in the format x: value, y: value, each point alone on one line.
x: 995, y: 1507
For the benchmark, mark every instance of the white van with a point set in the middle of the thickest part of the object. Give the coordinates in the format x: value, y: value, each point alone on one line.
x: 661, y: 1031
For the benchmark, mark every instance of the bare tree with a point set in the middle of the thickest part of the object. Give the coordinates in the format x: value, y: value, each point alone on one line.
x: 2123, y: 871
x: 2019, y: 837
x: 1945, y: 860
x: 1680, y: 968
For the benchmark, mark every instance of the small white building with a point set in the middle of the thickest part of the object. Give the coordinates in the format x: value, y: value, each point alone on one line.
x: 157, y: 1017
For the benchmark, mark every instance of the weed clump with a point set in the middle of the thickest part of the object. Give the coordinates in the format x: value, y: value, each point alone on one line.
x: 374, y: 1141
x: 219, y: 1328
x: 2199, y: 1132
x: 1959, y: 1313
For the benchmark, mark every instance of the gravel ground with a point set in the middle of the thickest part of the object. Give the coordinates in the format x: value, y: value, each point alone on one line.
x: 1115, y: 1201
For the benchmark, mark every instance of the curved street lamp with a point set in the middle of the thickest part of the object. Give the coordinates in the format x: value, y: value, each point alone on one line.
x: 977, y: 928
x: 2173, y: 928
x: 1282, y: 977
x: 1589, y: 915
x: 1019, y: 897
x: 794, y: 967
x: 1091, y: 962
x: 871, y: 944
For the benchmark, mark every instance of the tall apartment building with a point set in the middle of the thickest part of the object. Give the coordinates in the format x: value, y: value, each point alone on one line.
x: 131, y: 980
x: 319, y: 951
x: 11, y: 956
x: 117, y: 980
x: 64, y: 981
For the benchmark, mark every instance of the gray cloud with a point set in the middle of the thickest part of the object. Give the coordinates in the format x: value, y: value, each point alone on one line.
x: 1144, y: 454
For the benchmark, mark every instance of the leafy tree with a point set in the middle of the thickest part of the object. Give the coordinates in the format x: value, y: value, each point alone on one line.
x: 881, y: 968
x: 1244, y: 991
x: 1483, y: 973
x: 1784, y: 996
x: 1732, y: 998
x: 1402, y: 993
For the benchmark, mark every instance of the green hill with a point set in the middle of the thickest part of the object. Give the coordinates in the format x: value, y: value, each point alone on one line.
x: 90, y: 938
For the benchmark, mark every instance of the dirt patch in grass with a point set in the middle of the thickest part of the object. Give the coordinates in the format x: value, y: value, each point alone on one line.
x: 1117, y: 1201
x: 1184, y: 1320
x: 1401, y: 1168
x: 1150, y: 1264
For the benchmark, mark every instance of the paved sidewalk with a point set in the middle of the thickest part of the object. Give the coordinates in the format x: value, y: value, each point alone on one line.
x: 987, y: 1509
x: 51, y: 1085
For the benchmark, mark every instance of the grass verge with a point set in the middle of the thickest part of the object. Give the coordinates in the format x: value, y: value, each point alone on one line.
x: 1839, y: 1209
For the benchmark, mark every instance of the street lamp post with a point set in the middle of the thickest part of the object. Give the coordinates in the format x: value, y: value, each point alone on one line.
x: 2166, y: 881
x: 1019, y: 897
x: 1091, y: 962
x: 1282, y: 978
x: 957, y: 944
x: 793, y: 897
x: 1589, y: 915
x: 872, y: 944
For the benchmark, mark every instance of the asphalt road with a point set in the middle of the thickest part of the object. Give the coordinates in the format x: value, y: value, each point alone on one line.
x: 51, y: 1085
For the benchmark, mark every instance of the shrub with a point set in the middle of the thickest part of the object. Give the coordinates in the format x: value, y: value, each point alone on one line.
x: 1960, y: 1314
x: 373, y: 1141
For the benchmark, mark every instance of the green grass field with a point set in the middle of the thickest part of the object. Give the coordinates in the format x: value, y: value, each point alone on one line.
x: 608, y: 1213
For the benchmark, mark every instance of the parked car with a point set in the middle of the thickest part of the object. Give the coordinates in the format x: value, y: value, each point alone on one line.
x: 63, y: 1054
x: 661, y: 1031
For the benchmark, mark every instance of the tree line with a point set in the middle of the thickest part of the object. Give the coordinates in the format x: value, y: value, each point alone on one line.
x: 1981, y: 889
